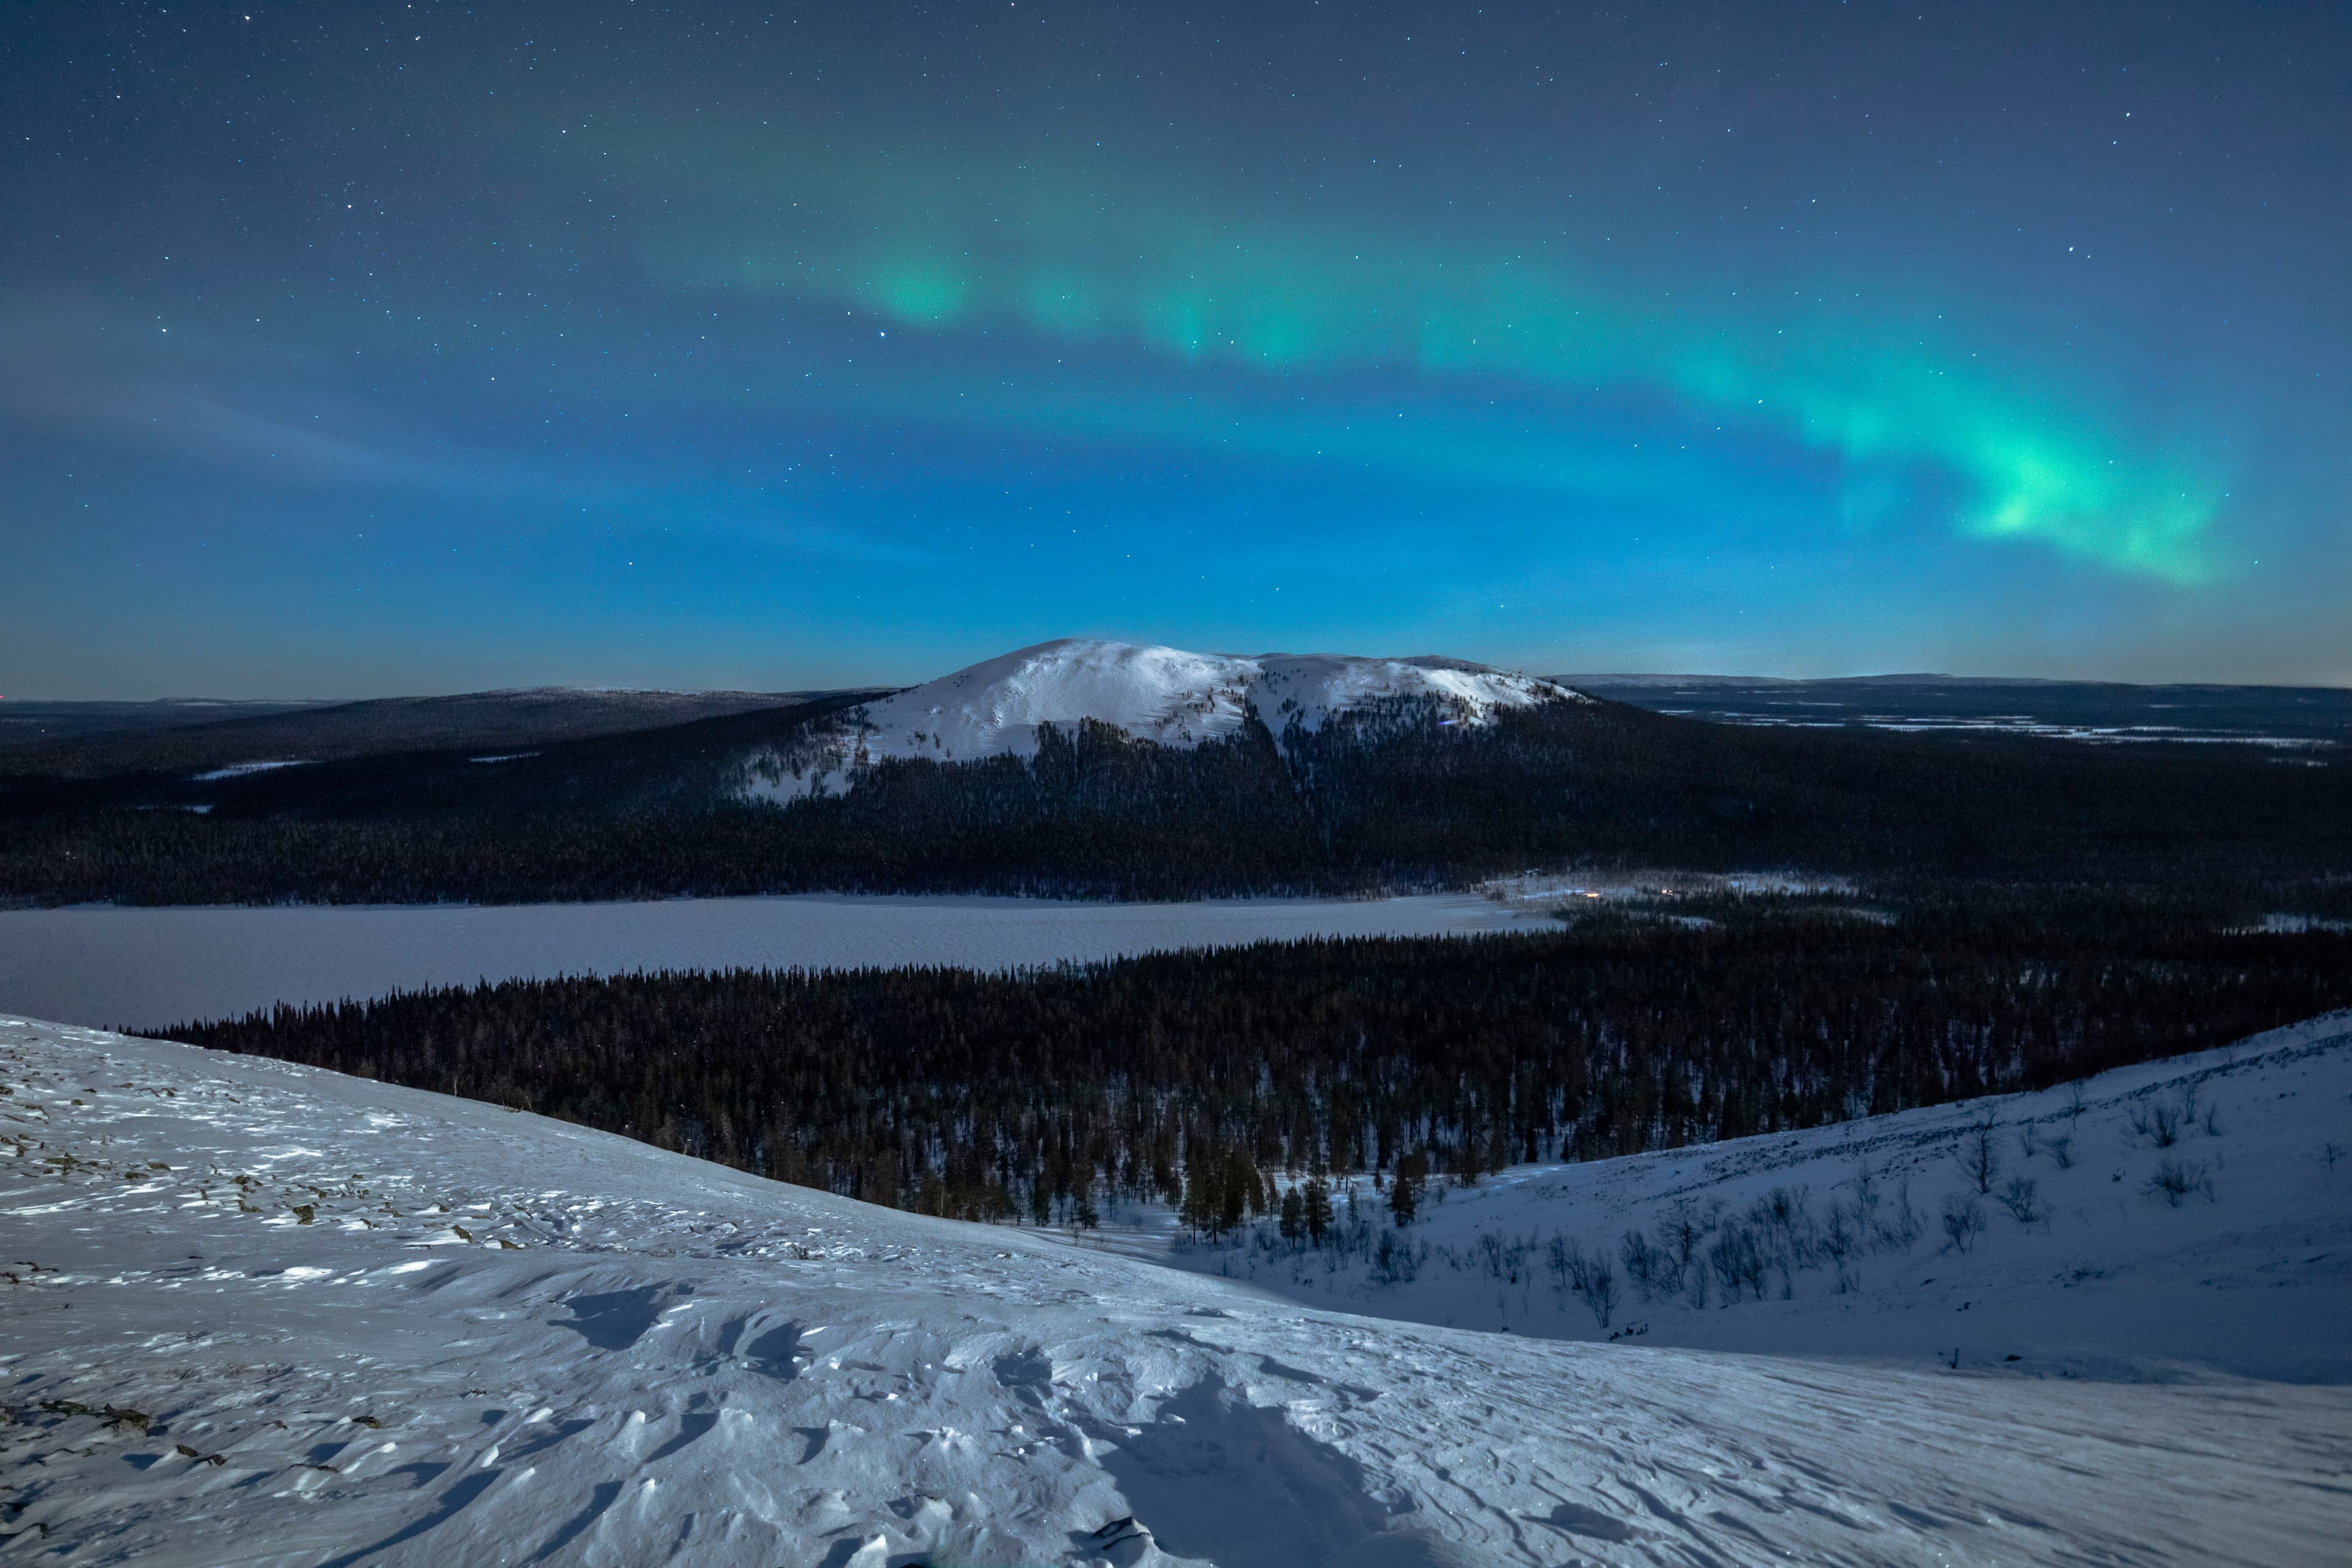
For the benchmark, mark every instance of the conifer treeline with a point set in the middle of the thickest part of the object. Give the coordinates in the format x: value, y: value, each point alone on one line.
x: 1194, y: 1077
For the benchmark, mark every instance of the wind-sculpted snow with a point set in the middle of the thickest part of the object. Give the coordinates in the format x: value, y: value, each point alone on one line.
x: 1160, y: 694
x: 269, y: 1315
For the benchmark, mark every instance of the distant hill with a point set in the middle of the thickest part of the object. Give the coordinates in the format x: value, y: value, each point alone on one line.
x: 2317, y: 720
x: 29, y: 722
x: 1096, y: 769
x: 155, y: 737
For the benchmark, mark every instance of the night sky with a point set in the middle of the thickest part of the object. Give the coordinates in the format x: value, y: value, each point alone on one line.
x: 356, y: 348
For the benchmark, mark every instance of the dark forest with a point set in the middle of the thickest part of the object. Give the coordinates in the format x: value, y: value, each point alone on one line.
x: 1194, y: 1077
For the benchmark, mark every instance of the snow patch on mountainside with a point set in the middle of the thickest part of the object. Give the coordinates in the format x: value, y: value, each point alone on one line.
x: 269, y: 1315
x: 1160, y: 694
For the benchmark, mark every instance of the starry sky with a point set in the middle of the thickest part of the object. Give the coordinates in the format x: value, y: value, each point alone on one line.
x: 365, y: 347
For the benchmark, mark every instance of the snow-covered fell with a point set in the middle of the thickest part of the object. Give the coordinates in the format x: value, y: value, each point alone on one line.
x: 2179, y: 1218
x: 269, y: 1315
x: 1162, y: 694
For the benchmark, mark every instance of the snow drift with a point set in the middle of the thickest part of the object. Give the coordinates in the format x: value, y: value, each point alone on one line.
x: 1160, y: 694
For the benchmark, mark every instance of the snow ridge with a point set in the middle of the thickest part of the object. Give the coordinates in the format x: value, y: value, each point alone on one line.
x: 1160, y: 694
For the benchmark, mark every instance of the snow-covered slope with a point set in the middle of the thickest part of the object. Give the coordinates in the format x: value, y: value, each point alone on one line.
x: 2177, y: 1218
x: 271, y: 1316
x: 1160, y: 694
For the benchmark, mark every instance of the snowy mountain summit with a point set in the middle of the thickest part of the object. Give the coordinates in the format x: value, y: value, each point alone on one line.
x: 1160, y: 694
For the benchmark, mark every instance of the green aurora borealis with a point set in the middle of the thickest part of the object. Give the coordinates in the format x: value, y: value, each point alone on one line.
x: 421, y: 347
x: 1044, y: 255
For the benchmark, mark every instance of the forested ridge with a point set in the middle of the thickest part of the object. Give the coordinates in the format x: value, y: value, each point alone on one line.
x: 1382, y: 800
x: 1194, y: 1077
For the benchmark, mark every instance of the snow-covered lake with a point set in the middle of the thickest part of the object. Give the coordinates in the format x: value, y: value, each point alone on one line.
x: 140, y: 968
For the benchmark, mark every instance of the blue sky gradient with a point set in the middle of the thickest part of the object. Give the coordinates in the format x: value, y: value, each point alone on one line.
x: 403, y: 348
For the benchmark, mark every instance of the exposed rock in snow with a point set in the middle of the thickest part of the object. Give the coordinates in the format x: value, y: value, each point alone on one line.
x: 274, y: 1316
x: 1160, y: 694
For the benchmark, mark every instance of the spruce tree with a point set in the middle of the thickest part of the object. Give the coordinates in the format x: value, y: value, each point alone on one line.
x: 1317, y: 1205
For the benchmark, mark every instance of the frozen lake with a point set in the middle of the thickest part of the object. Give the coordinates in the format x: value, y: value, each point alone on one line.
x: 140, y: 968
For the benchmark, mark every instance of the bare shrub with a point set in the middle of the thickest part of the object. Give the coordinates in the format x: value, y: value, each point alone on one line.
x: 1682, y: 1235
x: 1685, y: 1227
x: 1586, y: 1275
x: 1902, y: 1227
x: 1695, y: 1280
x: 1599, y: 1290
x: 1782, y: 1224
x: 1877, y: 1226
x: 2176, y: 1180
x: 1980, y: 1155
x: 2061, y: 1150
x: 1964, y: 1220
x: 1651, y: 1268
x: 2022, y: 1199
x: 1558, y: 1257
x: 1740, y: 1261
x: 1841, y: 1235
x: 2159, y: 1124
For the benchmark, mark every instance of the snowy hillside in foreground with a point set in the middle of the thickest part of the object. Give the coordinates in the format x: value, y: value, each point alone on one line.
x: 1160, y: 694
x: 2178, y: 1218
x: 268, y: 1315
